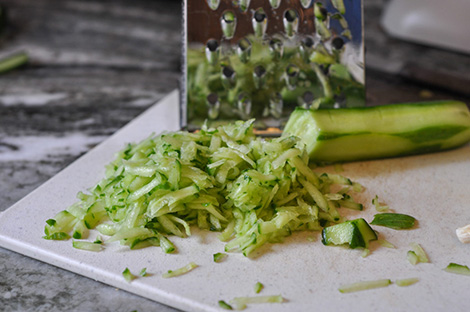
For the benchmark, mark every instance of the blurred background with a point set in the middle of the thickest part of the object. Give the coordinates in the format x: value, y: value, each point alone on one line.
x: 93, y: 65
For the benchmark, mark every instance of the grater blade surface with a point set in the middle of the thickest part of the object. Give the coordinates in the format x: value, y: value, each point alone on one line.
x: 263, y: 58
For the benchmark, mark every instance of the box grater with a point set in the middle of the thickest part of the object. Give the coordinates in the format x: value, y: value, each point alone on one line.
x: 262, y: 58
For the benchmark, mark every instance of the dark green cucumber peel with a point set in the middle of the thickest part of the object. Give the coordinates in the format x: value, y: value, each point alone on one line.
x: 351, y: 134
x: 396, y: 221
x: 356, y: 233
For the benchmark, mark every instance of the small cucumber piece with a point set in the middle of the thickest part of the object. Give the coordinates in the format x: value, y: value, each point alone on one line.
x: 355, y: 233
x: 395, y: 221
x: 351, y: 134
x: 457, y: 269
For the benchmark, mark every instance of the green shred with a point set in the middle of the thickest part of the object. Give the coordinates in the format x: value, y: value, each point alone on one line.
x: 359, y: 286
x: 396, y: 221
x: 87, y: 246
x: 57, y: 236
x: 225, y: 305
x: 365, y: 252
x: 219, y: 257
x: 380, y: 207
x: 13, y: 61
x: 241, y: 303
x: 258, y: 287
x: 143, y: 272
x: 385, y: 243
x: 406, y: 282
x: 457, y: 269
x: 420, y: 253
x: 412, y: 257
x: 174, y: 273
x: 250, y: 189
x: 128, y: 276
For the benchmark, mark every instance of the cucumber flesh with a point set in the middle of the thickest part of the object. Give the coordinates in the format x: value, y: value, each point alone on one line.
x: 355, y: 233
x: 351, y: 134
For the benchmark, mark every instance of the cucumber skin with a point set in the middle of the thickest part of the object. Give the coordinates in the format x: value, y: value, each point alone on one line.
x: 360, y: 234
x: 361, y: 133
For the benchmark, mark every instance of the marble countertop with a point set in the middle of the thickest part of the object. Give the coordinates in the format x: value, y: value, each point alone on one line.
x: 94, y: 66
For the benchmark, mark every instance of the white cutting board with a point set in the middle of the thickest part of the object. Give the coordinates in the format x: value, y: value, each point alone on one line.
x: 433, y: 188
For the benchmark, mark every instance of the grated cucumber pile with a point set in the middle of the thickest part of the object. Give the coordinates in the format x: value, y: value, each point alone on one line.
x: 252, y: 190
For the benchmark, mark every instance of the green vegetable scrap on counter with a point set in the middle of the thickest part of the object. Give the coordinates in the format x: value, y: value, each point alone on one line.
x: 406, y: 282
x: 258, y: 287
x: 380, y: 207
x: 241, y: 303
x: 224, y: 305
x: 417, y: 254
x: 457, y: 269
x: 13, y: 61
x: 183, y: 270
x: 359, y: 286
x: 219, y: 257
x: 396, y: 221
x: 252, y: 190
x: 128, y: 276
x: 366, y: 285
x: 355, y: 233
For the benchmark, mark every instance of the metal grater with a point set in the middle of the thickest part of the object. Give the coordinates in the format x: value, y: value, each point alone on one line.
x: 262, y: 58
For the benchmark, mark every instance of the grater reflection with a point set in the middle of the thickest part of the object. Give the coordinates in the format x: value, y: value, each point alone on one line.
x: 261, y: 59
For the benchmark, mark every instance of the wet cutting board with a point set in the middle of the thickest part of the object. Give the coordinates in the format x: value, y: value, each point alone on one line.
x: 434, y: 188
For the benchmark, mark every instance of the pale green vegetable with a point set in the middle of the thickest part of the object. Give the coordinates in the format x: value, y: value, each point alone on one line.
x: 143, y: 272
x: 13, y: 61
x: 240, y: 303
x: 386, y: 243
x: 380, y: 207
x: 128, y: 276
x: 352, y: 134
x: 174, y: 273
x: 87, y: 246
x: 359, y: 286
x: 406, y: 282
x: 218, y: 257
x: 252, y: 190
x: 457, y: 269
x: 258, y: 287
x: 225, y: 305
x: 412, y: 257
x: 420, y: 253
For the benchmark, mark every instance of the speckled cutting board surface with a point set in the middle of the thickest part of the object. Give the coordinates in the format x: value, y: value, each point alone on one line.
x: 433, y: 188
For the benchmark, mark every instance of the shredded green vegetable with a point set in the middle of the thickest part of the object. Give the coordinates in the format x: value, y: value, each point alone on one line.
x: 219, y: 257
x: 240, y: 303
x: 258, y: 287
x: 457, y: 269
x: 396, y: 221
x: 406, y: 282
x: 225, y: 305
x: 87, y: 246
x: 412, y: 257
x: 252, y: 190
x: 143, y: 272
x: 13, y: 61
x: 128, y: 276
x: 174, y: 273
x: 380, y: 207
x: 385, y: 243
x: 420, y: 253
x: 359, y: 286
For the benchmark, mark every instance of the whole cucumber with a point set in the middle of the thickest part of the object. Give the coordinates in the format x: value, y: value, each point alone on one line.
x: 351, y: 134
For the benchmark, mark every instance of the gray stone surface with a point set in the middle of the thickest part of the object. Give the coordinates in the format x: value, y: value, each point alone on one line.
x: 94, y: 66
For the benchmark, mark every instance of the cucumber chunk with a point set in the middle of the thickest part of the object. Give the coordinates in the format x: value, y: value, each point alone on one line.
x: 351, y: 134
x: 355, y: 233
